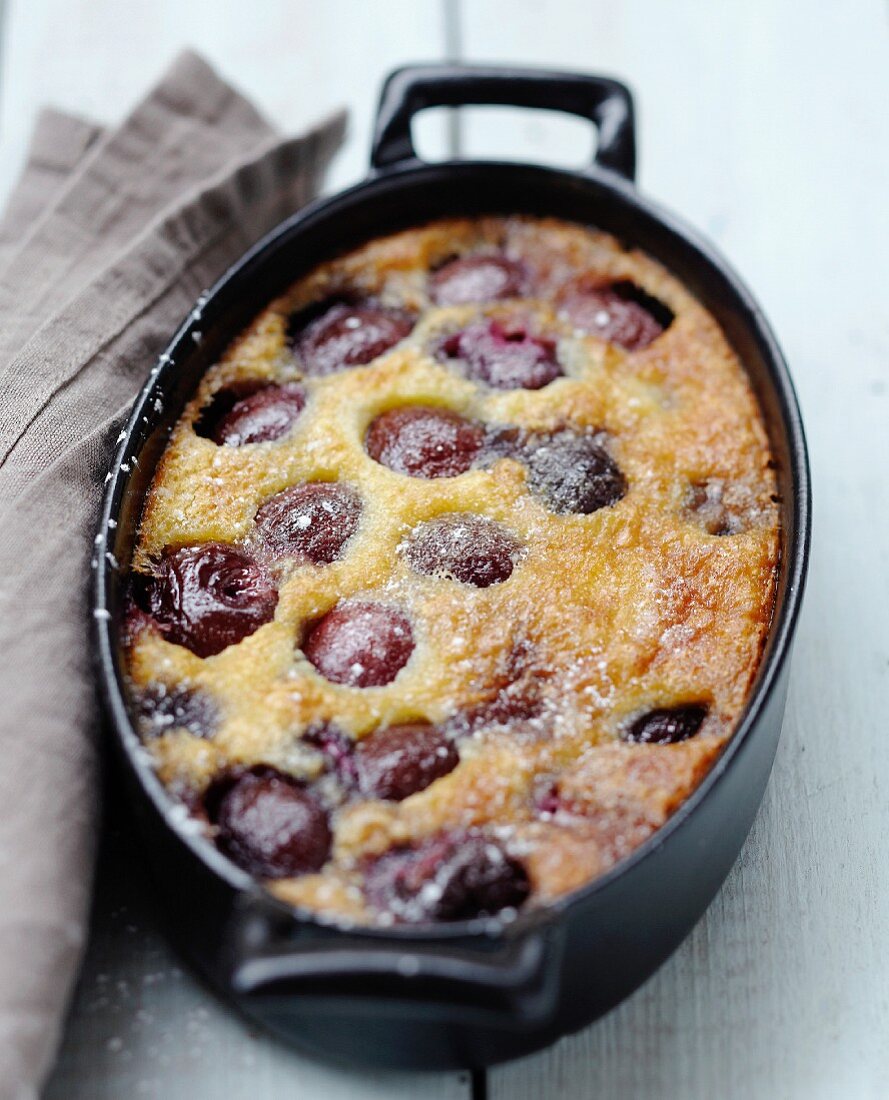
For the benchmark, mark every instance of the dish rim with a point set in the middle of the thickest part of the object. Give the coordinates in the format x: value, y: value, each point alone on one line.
x: 794, y: 558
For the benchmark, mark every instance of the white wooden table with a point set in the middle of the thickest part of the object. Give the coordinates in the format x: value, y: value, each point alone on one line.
x: 766, y: 123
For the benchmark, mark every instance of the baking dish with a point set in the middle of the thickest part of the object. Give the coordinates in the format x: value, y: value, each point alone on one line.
x: 473, y: 993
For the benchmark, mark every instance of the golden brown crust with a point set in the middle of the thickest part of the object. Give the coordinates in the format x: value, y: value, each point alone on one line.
x: 632, y: 607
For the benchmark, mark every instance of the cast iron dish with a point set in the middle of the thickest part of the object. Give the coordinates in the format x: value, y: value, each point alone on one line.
x: 471, y: 993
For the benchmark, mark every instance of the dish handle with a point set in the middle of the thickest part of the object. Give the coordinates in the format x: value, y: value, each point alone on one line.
x: 515, y: 977
x: 607, y: 103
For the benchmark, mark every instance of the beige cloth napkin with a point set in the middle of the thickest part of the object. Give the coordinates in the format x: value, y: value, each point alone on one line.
x: 107, y: 241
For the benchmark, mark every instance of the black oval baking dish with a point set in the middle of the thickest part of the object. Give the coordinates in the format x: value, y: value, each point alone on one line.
x: 473, y: 993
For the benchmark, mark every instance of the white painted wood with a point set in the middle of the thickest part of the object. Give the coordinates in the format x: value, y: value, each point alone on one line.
x: 296, y: 59
x: 765, y: 123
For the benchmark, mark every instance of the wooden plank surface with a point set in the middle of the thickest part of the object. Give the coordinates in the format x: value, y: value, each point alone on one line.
x: 296, y: 59
x: 765, y: 124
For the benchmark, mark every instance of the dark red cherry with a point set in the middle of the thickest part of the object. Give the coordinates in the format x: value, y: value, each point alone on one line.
x: 504, y: 355
x: 514, y: 698
x: 338, y: 749
x: 263, y: 414
x: 360, y: 644
x: 209, y: 597
x: 311, y: 522
x: 666, y: 725
x: 423, y: 441
x: 573, y: 473
x: 547, y: 798
x: 621, y: 313
x: 137, y: 607
x: 470, y: 549
x: 341, y: 334
x: 162, y: 708
x: 479, y: 278
x: 453, y: 876
x: 397, y: 762
x: 271, y: 827
x: 514, y: 704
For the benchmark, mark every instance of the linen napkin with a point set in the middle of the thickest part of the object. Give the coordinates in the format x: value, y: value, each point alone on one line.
x: 107, y: 241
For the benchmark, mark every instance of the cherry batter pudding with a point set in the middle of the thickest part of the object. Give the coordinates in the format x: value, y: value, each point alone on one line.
x: 456, y: 571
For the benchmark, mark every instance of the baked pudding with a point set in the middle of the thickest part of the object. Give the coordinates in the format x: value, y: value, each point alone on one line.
x: 455, y: 573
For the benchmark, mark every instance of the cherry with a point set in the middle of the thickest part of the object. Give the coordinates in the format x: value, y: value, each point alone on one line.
x: 621, y: 313
x: 452, y: 876
x: 163, y: 708
x: 666, y: 725
x: 478, y: 278
x: 137, y: 617
x: 547, y: 797
x: 341, y: 334
x: 514, y: 703
x: 338, y: 749
x: 514, y: 697
x: 360, y: 644
x: 271, y: 827
x: 470, y: 549
x: 243, y: 414
x: 209, y: 597
x: 504, y: 355
x: 397, y: 762
x: 422, y: 441
x: 311, y: 522
x: 573, y: 473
